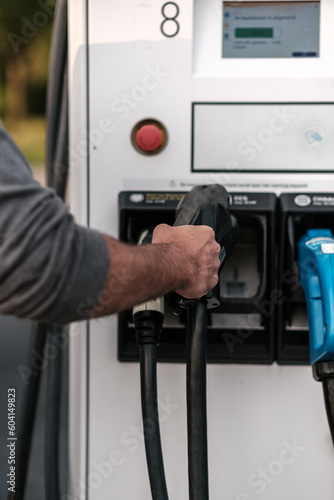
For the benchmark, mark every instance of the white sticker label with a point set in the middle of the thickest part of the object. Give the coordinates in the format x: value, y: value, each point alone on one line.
x: 302, y: 200
x: 137, y: 197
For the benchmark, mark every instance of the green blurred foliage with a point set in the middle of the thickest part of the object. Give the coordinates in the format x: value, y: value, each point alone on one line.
x: 20, y: 23
x: 25, y: 33
x: 25, y: 30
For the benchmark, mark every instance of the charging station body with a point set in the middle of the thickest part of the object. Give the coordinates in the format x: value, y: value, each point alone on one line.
x: 159, y: 102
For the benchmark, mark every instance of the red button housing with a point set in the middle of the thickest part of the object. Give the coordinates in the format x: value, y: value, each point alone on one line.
x: 149, y: 138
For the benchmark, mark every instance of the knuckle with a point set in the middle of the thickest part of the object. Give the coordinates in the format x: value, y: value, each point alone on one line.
x: 207, y: 230
x: 160, y: 230
x: 214, y: 282
x: 210, y: 232
x: 161, y: 227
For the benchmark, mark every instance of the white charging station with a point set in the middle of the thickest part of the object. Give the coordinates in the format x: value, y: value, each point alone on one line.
x: 244, y: 92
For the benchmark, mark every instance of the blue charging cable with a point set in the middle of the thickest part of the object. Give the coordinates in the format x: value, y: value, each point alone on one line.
x: 316, y: 265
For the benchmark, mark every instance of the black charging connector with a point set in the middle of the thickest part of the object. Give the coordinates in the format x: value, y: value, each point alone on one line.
x: 203, y: 205
x: 196, y: 345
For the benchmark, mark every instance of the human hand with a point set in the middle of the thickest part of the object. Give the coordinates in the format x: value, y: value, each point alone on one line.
x: 194, y: 257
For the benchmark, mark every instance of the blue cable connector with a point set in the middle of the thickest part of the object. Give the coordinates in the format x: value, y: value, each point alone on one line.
x: 316, y: 264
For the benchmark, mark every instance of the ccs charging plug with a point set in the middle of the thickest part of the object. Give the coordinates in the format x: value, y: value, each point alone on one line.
x: 148, y: 319
x: 209, y: 206
x: 316, y: 264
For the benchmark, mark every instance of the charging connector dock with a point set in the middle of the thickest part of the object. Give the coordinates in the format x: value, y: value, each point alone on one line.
x: 241, y: 329
x: 297, y: 214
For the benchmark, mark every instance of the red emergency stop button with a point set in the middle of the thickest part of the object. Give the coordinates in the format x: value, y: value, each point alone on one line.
x: 149, y: 136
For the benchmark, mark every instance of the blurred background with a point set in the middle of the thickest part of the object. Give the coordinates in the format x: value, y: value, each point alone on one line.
x: 25, y: 34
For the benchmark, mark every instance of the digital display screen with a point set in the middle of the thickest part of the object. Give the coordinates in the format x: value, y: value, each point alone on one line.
x: 271, y: 29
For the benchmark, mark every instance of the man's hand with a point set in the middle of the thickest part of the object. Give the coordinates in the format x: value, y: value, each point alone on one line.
x: 196, y: 257
x: 182, y: 258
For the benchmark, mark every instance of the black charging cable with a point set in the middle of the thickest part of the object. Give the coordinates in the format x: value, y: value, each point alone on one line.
x: 148, y: 320
x: 323, y: 371
x: 196, y: 348
x: 206, y: 205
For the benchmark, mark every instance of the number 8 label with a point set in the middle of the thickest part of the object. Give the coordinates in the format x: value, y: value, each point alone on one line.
x: 170, y: 26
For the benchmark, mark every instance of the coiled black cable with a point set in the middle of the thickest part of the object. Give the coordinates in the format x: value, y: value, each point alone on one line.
x: 196, y: 401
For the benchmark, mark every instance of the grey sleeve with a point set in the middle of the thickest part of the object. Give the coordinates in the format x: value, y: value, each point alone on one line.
x: 51, y: 269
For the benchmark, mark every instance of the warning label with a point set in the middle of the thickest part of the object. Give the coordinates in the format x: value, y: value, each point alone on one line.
x: 162, y: 197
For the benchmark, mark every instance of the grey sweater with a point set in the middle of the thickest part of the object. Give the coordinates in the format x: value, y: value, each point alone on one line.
x: 51, y: 269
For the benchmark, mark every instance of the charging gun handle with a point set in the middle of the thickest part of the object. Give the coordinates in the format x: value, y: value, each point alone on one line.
x: 203, y: 205
x: 209, y: 206
x: 316, y: 263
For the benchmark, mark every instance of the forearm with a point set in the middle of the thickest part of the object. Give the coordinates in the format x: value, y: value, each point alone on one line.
x: 138, y: 274
x: 184, y: 259
x: 53, y: 270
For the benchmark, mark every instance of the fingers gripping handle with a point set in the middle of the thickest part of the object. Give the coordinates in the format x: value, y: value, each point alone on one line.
x: 208, y: 205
